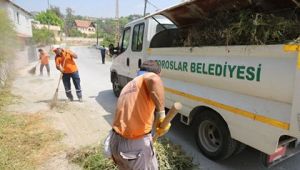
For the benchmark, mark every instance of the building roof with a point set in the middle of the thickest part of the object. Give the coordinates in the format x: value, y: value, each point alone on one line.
x: 22, y: 9
x: 83, y: 23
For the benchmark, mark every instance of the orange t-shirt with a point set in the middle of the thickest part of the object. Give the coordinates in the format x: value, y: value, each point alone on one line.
x: 66, y: 60
x: 135, y: 110
x: 44, y: 57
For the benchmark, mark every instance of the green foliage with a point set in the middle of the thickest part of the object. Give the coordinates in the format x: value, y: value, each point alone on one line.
x: 57, y: 11
x: 244, y: 27
x: 169, y: 156
x: 43, y: 36
x: 69, y: 22
x: 106, y: 28
x: 75, y: 33
x: 108, y: 39
x: 7, y: 37
x: 91, y: 158
x: 49, y: 17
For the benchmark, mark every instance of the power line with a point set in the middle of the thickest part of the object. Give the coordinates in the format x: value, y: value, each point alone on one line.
x: 150, y: 3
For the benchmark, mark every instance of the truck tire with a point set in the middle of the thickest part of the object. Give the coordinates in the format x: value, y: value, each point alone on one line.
x: 212, y: 136
x: 116, y: 86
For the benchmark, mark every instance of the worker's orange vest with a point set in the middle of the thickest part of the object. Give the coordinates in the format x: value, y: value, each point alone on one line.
x: 44, y: 57
x: 135, y: 110
x: 68, y: 65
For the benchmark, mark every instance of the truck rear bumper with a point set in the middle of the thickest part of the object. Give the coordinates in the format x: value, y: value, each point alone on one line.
x: 282, y: 153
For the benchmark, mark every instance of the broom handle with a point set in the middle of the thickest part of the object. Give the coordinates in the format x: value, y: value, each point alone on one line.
x: 169, y: 117
x: 61, y: 75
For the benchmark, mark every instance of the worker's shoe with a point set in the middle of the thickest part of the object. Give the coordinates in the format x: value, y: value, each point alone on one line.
x: 71, y: 99
x: 80, y: 100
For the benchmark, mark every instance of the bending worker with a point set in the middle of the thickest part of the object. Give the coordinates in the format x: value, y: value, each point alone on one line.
x: 44, y: 59
x: 65, y: 63
x: 140, y: 101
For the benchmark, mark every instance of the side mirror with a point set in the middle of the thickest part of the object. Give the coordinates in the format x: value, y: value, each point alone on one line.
x: 113, y: 50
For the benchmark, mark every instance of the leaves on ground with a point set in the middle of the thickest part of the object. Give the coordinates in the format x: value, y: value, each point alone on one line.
x: 170, y: 156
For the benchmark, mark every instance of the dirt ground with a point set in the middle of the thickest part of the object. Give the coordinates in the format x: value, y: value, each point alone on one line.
x: 82, y: 124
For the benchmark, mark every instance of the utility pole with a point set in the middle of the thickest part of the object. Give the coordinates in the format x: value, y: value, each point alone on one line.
x: 145, y: 7
x: 48, y: 5
x: 117, y: 28
x: 97, y: 31
x: 48, y: 11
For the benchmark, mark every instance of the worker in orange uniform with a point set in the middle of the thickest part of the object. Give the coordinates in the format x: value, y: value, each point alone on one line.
x: 140, y: 102
x: 44, y: 60
x: 65, y: 63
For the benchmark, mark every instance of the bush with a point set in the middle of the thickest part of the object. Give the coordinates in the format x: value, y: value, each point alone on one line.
x: 43, y: 36
x: 75, y: 33
x: 7, y: 37
x: 49, y: 17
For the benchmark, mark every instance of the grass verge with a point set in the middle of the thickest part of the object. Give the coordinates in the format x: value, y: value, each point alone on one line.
x: 26, y: 141
x: 170, y: 156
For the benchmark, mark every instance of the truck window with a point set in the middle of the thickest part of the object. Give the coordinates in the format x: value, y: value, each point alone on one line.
x: 125, y: 39
x: 137, y: 37
x: 160, y: 27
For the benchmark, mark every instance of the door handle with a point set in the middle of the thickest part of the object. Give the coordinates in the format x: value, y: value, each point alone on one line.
x: 140, y: 63
x: 127, y: 62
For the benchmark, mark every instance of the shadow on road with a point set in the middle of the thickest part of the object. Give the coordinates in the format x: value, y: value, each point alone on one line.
x: 108, y: 101
x: 183, y: 135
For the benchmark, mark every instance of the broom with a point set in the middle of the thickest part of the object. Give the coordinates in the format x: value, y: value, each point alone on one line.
x: 55, y: 96
x: 33, y: 69
x: 169, y: 117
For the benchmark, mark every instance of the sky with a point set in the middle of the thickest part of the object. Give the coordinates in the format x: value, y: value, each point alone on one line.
x: 97, y: 8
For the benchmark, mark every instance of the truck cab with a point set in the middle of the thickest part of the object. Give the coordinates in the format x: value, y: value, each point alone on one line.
x: 132, y: 48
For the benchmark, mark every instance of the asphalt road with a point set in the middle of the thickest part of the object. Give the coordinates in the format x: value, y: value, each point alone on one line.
x: 96, y: 86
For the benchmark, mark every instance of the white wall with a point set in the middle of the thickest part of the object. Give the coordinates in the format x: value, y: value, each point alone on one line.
x: 20, y: 19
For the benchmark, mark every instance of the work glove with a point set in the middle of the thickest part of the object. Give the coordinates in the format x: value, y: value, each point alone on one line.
x: 160, y: 131
x: 61, y: 69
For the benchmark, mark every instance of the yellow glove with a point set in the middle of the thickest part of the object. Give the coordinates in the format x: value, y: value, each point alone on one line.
x: 161, y: 131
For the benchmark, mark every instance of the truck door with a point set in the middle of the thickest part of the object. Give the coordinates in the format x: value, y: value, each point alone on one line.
x: 136, y: 48
x: 121, y: 62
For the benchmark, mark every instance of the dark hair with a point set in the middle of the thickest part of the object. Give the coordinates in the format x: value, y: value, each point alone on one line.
x: 40, y: 50
x: 150, y: 66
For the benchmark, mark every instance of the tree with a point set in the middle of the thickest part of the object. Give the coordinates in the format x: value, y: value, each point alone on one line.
x: 43, y: 36
x: 57, y: 11
x: 69, y: 21
x: 49, y: 17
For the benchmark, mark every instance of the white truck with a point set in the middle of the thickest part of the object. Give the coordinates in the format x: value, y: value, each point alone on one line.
x: 232, y: 95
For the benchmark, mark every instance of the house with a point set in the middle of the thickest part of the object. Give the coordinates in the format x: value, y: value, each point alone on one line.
x: 20, y: 18
x: 85, y: 27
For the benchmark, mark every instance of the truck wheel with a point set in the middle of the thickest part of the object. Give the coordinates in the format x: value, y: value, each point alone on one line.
x: 116, y: 86
x: 213, y: 137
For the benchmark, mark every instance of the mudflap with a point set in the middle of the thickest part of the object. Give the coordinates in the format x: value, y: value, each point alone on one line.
x: 282, y: 153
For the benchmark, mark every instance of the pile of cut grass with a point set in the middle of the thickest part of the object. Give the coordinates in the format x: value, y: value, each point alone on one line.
x: 249, y: 26
x: 170, y: 156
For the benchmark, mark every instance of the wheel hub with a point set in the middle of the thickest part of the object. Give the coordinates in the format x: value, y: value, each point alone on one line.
x: 210, y: 136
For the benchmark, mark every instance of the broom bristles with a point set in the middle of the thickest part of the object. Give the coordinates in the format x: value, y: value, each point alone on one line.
x: 54, y: 100
x: 32, y: 70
